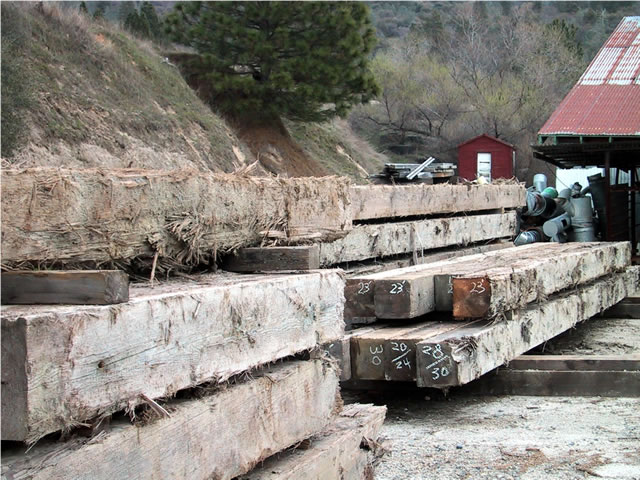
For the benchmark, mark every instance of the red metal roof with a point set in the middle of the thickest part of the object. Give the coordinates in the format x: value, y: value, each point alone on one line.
x: 606, y: 99
x: 489, y: 137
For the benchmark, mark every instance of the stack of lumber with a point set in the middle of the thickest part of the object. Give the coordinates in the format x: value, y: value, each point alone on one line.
x: 447, y: 323
x: 438, y: 216
x: 600, y: 357
x: 388, y: 222
x: 66, y: 216
x: 182, y: 217
x: 214, y: 372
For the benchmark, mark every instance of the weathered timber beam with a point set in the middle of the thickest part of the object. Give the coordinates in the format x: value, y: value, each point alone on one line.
x: 506, y: 381
x: 220, y: 436
x: 62, y: 365
x: 389, y: 353
x: 462, y: 355
x: 490, y: 292
x: 266, y: 259
x: 342, y: 450
x: 102, y: 215
x: 386, y: 239
x: 77, y: 287
x: 360, y: 289
x: 383, y: 201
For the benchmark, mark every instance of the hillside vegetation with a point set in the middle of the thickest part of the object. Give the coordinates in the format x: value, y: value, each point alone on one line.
x: 84, y: 93
x: 452, y: 70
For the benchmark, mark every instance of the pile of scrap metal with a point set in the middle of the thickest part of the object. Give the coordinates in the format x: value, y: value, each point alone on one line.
x: 429, y: 171
x: 558, y: 217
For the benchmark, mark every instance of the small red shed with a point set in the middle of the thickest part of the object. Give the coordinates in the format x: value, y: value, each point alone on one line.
x: 486, y: 156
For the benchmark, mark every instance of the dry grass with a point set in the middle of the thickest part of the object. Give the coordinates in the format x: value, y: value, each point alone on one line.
x: 104, y: 98
x: 337, y: 148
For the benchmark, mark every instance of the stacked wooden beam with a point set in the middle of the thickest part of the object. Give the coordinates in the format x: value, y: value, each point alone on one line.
x: 183, y: 217
x: 212, y: 342
x: 482, y: 310
x: 441, y: 216
x: 598, y: 358
x: 64, y: 216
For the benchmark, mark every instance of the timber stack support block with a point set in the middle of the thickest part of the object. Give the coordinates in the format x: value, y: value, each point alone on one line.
x: 266, y: 259
x: 74, y: 287
x: 565, y: 375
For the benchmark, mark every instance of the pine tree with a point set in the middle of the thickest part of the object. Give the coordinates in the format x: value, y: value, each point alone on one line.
x: 302, y: 60
x: 148, y: 13
x: 137, y: 24
x: 125, y: 9
x: 82, y: 8
x: 99, y: 13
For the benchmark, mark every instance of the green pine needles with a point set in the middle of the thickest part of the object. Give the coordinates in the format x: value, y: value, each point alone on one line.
x: 306, y: 61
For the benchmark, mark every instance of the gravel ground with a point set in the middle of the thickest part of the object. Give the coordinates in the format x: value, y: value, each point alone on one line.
x: 528, y: 438
x: 515, y: 437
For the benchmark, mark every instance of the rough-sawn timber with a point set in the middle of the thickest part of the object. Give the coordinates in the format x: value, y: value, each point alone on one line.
x: 102, y: 215
x: 384, y: 201
x: 341, y: 451
x: 386, y: 239
x: 464, y: 354
x: 487, y: 293
x: 220, y: 436
x: 409, y: 291
x: 62, y: 365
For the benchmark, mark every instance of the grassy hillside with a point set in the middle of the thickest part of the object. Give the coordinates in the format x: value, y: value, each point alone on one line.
x: 81, y: 93
x: 98, y: 97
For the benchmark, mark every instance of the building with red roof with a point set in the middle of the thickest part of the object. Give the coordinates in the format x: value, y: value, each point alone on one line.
x: 600, y: 117
x: 598, y: 125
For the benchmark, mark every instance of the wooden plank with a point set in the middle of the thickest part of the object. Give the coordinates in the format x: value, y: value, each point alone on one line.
x: 76, y: 287
x: 386, y: 239
x: 488, y: 293
x: 102, y: 215
x: 384, y: 201
x: 340, y: 452
x: 581, y: 383
x: 80, y: 362
x: 203, y: 438
x: 267, y: 259
x: 576, y: 362
x: 464, y: 354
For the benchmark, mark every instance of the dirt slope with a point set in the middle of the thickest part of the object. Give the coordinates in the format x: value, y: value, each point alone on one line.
x: 91, y: 95
x: 99, y: 98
